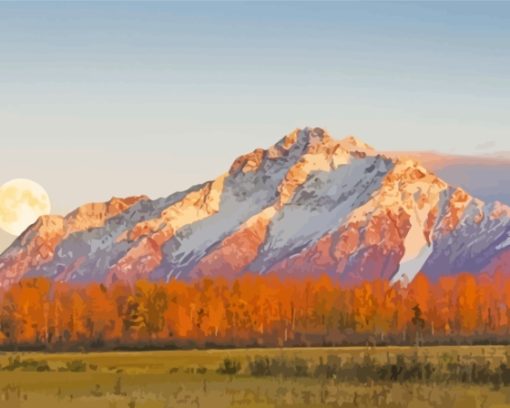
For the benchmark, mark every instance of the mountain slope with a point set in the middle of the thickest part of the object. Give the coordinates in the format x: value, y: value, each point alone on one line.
x: 485, y: 177
x: 307, y: 205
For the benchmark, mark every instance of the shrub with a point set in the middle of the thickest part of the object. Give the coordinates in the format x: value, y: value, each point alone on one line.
x: 260, y: 366
x: 229, y: 366
x: 26, y: 365
x: 263, y: 366
x: 403, y: 369
x: 76, y: 366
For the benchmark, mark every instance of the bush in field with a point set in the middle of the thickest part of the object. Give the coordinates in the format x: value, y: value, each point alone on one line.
x: 76, y: 366
x: 16, y: 363
x: 328, y: 368
x: 404, y: 369
x: 300, y: 367
x: 201, y: 370
x: 505, y: 374
x: 264, y: 366
x: 195, y: 370
x: 260, y: 366
x: 229, y: 366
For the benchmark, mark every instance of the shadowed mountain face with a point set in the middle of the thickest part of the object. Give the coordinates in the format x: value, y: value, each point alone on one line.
x: 307, y: 205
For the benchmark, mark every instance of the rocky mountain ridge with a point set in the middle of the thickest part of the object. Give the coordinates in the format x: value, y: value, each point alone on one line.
x: 307, y: 205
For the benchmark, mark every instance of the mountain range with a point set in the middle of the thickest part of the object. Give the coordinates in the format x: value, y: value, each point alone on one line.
x: 308, y: 205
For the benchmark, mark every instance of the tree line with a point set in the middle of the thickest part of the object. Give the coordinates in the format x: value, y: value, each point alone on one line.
x: 254, y: 310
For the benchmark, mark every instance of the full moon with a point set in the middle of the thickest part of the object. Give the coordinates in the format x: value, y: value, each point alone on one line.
x: 22, y: 201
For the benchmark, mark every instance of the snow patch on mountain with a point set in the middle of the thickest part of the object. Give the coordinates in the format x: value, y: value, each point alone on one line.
x: 318, y: 206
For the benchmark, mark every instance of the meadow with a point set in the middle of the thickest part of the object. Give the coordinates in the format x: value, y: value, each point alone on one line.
x: 442, y: 376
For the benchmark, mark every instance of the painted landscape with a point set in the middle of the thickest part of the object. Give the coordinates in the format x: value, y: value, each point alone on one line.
x: 254, y: 204
x: 266, y: 273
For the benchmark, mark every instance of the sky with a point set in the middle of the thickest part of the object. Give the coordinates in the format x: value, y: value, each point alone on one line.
x: 125, y: 98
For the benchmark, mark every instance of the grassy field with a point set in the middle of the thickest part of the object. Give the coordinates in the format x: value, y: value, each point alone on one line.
x: 451, y: 377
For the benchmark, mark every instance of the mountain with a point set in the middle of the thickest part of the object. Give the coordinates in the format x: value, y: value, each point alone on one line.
x: 485, y: 177
x: 307, y: 205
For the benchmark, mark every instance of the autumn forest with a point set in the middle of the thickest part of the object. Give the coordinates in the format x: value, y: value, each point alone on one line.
x: 254, y: 311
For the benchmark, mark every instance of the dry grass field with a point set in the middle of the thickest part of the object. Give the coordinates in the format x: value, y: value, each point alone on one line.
x: 450, y: 377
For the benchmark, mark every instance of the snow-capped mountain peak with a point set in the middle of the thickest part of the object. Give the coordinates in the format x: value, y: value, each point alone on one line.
x: 309, y: 204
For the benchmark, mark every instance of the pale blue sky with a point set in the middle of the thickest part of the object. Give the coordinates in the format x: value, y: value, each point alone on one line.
x: 128, y: 98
